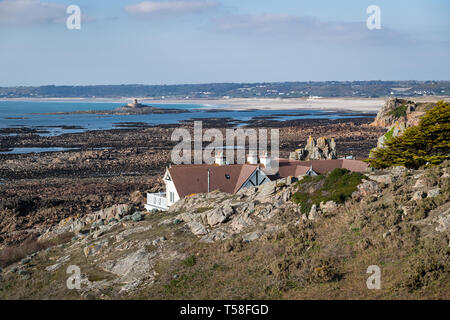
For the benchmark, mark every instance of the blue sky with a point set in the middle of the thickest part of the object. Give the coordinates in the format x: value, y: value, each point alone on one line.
x: 199, y: 41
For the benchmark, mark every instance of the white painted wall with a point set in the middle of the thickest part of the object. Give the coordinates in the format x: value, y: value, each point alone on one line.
x: 170, y: 187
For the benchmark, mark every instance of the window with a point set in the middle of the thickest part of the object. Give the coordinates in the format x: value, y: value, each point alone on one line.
x: 171, y: 197
x: 227, y: 176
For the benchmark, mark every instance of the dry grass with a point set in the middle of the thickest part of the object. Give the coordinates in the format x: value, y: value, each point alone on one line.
x: 13, y: 254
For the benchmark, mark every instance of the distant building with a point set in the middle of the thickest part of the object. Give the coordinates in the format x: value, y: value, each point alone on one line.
x: 134, y: 104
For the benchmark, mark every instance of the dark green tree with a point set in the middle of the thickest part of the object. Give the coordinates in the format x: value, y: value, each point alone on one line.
x: 425, y: 144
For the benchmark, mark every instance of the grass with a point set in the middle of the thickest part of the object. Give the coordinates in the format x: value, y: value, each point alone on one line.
x: 388, y: 136
x: 337, y: 186
x: 399, y: 112
x: 14, y: 254
x: 203, y: 209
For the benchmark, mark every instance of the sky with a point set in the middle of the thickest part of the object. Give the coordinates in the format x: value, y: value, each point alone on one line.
x: 203, y: 41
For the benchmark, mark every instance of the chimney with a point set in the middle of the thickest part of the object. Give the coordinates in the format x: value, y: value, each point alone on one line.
x: 252, y: 158
x: 266, y: 161
x: 220, y: 159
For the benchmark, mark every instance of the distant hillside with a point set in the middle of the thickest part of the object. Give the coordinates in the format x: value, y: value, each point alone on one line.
x: 238, y: 90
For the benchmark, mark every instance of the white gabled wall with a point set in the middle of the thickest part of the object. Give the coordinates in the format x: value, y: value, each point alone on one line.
x: 171, y: 191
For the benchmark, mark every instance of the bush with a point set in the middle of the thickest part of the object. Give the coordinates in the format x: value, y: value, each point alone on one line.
x: 190, y: 261
x: 338, y: 186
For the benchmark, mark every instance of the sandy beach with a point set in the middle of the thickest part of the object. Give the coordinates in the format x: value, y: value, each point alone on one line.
x: 315, y: 103
x: 339, y: 104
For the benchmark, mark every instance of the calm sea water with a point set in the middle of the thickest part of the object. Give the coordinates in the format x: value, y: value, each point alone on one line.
x: 19, y: 114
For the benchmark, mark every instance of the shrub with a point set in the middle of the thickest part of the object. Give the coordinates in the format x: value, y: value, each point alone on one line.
x: 400, y: 111
x: 190, y: 261
x: 338, y: 186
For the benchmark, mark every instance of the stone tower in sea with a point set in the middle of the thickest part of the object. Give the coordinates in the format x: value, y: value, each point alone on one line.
x: 134, y: 104
x: 320, y: 149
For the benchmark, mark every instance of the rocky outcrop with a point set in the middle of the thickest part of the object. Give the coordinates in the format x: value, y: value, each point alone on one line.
x: 390, y: 113
x: 95, y: 220
x: 320, y: 149
x: 396, y: 115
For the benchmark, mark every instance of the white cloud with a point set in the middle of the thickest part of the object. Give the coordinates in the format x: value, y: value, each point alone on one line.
x: 31, y: 12
x: 304, y: 28
x: 171, y: 7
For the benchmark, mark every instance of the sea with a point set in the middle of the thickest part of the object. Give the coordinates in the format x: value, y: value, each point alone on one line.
x: 19, y: 114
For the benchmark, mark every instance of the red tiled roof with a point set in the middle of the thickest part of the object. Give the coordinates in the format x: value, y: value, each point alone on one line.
x: 324, y: 166
x: 194, y: 178
x: 189, y: 179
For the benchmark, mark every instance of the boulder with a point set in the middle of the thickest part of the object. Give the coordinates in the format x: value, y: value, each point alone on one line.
x: 313, y: 213
x: 385, y: 178
x: 251, y: 236
x: 135, y: 266
x: 320, y: 149
x: 265, y: 190
x: 219, y: 215
x: 366, y: 188
x: 116, y: 211
x: 328, y: 206
x: 197, y: 228
x: 137, y: 216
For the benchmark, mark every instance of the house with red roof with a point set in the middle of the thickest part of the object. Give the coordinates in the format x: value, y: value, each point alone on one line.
x: 185, y: 180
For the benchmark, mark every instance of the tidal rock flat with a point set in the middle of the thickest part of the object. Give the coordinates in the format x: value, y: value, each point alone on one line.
x: 110, y: 166
x: 122, y: 111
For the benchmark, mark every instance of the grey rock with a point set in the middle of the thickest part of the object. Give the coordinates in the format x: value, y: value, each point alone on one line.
x: 443, y: 221
x: 313, y: 214
x: 433, y: 192
x: 366, y: 188
x: 320, y: 149
x: 135, y: 266
x: 60, y: 262
x: 197, y: 228
x: 219, y: 215
x: 328, y: 206
x: 265, y: 190
x: 251, y: 236
x: 137, y: 216
x: 385, y: 178
x: 95, y: 248
x: 241, y: 222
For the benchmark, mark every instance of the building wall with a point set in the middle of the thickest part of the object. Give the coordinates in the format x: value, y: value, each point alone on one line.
x: 170, y: 187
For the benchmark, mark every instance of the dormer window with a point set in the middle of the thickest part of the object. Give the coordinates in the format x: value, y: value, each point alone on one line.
x: 227, y: 176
